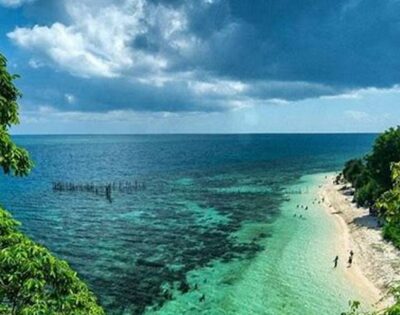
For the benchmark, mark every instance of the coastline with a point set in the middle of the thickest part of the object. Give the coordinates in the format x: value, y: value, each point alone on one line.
x: 294, y: 274
x: 376, y: 264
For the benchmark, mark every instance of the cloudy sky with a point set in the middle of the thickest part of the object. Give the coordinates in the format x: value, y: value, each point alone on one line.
x: 170, y: 66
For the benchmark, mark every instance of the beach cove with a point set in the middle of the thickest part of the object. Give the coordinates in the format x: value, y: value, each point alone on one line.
x: 216, y: 231
x: 294, y: 274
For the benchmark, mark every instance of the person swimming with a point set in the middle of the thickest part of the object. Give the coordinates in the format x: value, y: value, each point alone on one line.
x: 202, y: 298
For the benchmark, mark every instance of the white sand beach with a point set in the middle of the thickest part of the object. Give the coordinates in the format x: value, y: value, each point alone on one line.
x: 376, y: 265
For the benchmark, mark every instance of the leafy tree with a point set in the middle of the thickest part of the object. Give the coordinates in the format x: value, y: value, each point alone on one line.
x: 377, y: 184
x: 371, y: 176
x: 353, y: 169
x: 32, y: 281
x: 13, y: 159
x: 389, y: 207
x: 386, y: 150
x: 367, y: 193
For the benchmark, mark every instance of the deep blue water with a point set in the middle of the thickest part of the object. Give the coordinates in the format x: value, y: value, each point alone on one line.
x: 199, y: 189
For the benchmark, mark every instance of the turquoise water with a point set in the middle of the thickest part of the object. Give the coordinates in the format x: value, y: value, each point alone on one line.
x: 293, y: 274
x: 212, y: 233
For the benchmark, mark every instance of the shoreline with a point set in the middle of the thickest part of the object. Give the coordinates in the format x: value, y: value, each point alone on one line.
x: 294, y: 272
x: 376, y: 264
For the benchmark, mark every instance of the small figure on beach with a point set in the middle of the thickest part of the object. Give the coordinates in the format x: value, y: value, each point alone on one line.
x: 335, y: 261
x: 350, y: 261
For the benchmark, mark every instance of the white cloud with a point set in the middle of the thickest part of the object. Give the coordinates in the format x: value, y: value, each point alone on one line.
x: 99, y: 40
x: 151, y: 44
x: 218, y: 87
x: 49, y: 113
x: 363, y: 93
x: 14, y: 3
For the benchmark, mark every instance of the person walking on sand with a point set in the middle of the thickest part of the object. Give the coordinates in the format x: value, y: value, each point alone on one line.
x: 350, y: 261
x: 335, y: 261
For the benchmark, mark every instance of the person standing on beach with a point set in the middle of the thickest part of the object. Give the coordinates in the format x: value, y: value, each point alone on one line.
x: 350, y: 261
x: 335, y: 261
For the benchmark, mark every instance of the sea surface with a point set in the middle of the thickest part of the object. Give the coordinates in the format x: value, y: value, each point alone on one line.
x: 196, y: 224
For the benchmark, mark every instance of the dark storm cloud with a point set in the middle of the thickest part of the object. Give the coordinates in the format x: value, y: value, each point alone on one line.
x: 340, y: 43
x: 345, y: 43
x: 280, y: 49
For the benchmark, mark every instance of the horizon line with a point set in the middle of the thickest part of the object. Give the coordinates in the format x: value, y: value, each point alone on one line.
x: 198, y: 133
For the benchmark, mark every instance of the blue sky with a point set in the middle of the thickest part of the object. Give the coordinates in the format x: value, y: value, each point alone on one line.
x: 208, y: 66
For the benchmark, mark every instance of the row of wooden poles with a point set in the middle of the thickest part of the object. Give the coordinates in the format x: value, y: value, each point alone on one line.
x: 104, y: 189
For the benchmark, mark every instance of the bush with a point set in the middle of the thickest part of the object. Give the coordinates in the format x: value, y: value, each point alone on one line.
x: 366, y: 194
x: 371, y: 176
x: 362, y: 179
x: 353, y: 169
x: 391, y: 232
x: 386, y: 150
x: 33, y: 281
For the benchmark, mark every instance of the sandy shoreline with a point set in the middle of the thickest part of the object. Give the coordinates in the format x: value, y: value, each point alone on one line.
x: 376, y: 263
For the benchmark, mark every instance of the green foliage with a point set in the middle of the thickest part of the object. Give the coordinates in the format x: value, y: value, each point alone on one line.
x: 354, y: 308
x: 32, y: 281
x: 391, y: 232
x: 389, y: 207
x: 377, y: 184
x: 353, y: 169
x: 13, y: 159
x: 372, y: 176
x: 395, y: 174
x: 386, y: 150
x: 367, y: 193
x: 394, y: 309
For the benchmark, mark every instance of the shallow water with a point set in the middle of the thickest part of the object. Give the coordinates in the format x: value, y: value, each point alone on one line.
x: 294, y: 273
x: 215, y: 213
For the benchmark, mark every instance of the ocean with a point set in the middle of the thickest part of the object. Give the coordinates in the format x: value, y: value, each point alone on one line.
x: 196, y: 224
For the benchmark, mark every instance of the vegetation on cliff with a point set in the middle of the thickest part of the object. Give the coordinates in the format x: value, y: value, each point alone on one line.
x: 376, y: 179
x: 32, y: 280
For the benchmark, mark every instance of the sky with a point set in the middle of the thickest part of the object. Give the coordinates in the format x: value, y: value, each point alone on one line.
x: 203, y: 66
